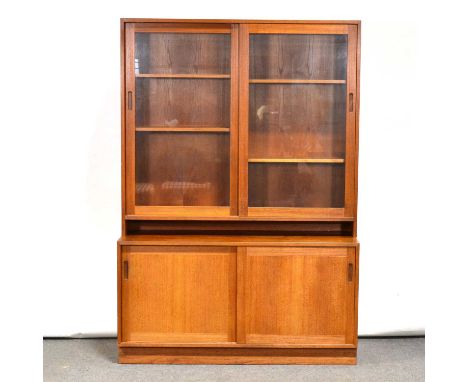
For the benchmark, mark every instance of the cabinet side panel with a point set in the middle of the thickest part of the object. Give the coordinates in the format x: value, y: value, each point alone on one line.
x: 358, y: 92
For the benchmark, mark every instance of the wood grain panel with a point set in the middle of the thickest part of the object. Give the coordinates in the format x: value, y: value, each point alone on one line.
x: 296, y: 160
x: 293, y: 28
x: 182, y: 169
x: 167, y: 26
x: 240, y: 240
x: 243, y: 118
x: 180, y: 355
x: 179, y: 294
x: 296, y: 185
x: 123, y: 123
x: 182, y: 213
x: 297, y: 295
x: 199, y: 76
x: 185, y: 129
x: 313, y: 57
x: 234, y: 121
x: 203, y: 213
x: 295, y: 81
x: 215, y: 22
x: 129, y: 101
x: 356, y: 121
x: 183, y: 53
x: 351, y: 133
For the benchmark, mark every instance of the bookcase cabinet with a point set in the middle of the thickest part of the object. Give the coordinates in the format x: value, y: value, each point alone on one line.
x: 239, y: 186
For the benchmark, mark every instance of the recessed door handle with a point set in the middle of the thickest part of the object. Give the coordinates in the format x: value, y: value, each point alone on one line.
x: 351, y: 102
x: 130, y: 100
x: 125, y: 269
x: 350, y: 271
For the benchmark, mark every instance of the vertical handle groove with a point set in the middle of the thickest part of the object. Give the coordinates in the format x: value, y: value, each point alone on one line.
x: 351, y: 102
x: 125, y: 270
x: 350, y: 271
x: 130, y: 100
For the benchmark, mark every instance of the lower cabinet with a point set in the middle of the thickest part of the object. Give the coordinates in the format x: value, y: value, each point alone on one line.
x: 238, y: 297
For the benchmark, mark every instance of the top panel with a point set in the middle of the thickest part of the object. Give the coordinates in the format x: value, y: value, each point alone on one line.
x: 238, y: 21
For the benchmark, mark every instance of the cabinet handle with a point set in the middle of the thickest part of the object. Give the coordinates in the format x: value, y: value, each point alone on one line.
x: 130, y: 101
x: 350, y: 271
x: 125, y: 270
x: 351, y: 102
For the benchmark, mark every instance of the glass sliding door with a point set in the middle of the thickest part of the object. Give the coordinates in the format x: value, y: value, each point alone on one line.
x: 181, y: 120
x: 297, y: 123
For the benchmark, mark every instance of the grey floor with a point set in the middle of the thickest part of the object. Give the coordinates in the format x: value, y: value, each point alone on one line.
x: 96, y: 360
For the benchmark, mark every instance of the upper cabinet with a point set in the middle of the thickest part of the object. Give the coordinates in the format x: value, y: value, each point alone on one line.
x: 247, y: 120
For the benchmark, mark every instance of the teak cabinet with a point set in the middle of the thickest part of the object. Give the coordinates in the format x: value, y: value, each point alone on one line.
x: 239, y: 187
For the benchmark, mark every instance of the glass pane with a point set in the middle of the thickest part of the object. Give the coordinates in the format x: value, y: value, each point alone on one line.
x: 182, y: 169
x: 181, y: 53
x: 182, y: 102
x: 296, y: 185
x: 297, y: 120
x: 182, y: 116
x: 314, y: 57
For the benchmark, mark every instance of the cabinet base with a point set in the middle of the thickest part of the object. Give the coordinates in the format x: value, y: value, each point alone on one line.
x: 233, y: 356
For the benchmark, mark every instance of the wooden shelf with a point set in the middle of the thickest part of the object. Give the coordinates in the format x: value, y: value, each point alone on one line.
x: 294, y: 81
x: 224, y: 216
x: 184, y: 129
x: 194, y: 76
x: 239, y: 240
x: 296, y: 160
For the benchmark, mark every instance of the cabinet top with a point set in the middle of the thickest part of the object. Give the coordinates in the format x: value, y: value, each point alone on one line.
x: 239, y: 240
x: 237, y: 21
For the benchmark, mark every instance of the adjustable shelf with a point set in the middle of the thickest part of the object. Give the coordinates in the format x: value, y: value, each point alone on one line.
x: 190, y: 76
x: 293, y: 81
x: 183, y: 129
x: 296, y: 160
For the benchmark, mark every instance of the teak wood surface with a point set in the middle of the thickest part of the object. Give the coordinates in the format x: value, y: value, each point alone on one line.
x: 245, y: 295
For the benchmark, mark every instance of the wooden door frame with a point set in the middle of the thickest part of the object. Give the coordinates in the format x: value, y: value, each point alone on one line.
x: 349, y: 209
x: 128, y: 127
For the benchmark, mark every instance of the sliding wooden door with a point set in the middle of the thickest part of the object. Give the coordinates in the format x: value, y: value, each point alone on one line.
x: 296, y: 296
x: 184, y: 294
